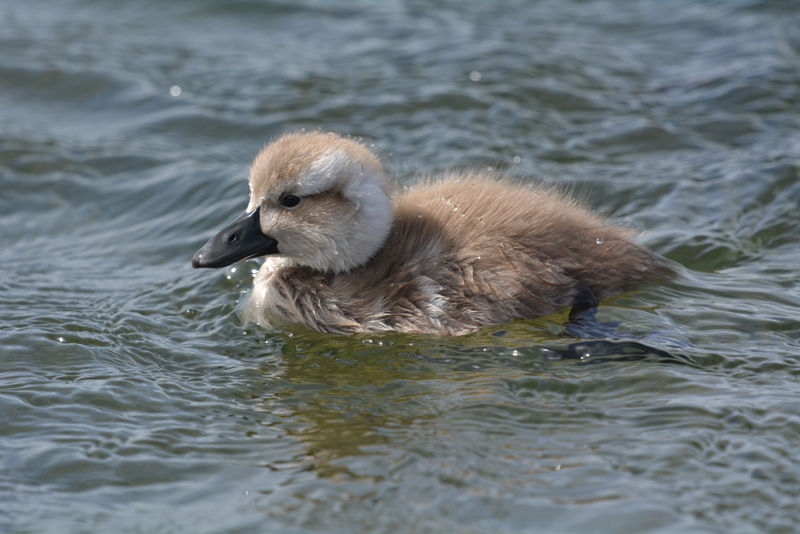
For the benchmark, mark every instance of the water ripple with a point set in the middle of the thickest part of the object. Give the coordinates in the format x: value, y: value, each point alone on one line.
x: 133, y: 399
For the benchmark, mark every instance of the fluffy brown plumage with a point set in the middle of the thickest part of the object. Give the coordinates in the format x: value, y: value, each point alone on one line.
x: 450, y: 256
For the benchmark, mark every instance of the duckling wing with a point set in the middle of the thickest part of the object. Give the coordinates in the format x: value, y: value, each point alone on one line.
x: 500, y: 284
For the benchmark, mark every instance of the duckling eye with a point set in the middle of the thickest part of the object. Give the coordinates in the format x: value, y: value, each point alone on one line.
x: 290, y: 201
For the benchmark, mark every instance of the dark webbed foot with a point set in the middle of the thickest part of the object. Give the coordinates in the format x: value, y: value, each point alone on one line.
x: 584, y: 305
x: 583, y: 324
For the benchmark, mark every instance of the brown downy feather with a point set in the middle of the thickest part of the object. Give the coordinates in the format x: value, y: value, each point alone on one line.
x: 468, y: 251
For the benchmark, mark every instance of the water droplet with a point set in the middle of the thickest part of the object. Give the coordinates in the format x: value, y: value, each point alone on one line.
x: 490, y: 169
x: 599, y: 240
x: 475, y: 76
x: 517, y: 159
x: 61, y: 340
x: 175, y: 90
x: 302, y: 129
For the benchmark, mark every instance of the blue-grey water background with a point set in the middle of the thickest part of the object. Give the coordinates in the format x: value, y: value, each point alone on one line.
x: 133, y: 399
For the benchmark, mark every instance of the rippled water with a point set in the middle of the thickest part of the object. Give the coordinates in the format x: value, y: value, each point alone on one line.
x: 133, y: 399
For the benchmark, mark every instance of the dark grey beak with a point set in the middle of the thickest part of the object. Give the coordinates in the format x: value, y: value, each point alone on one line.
x: 240, y: 240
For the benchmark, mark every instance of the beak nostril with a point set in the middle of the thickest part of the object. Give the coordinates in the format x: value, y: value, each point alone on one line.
x: 240, y: 240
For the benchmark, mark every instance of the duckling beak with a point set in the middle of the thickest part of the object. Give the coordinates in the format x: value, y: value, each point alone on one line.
x: 240, y: 240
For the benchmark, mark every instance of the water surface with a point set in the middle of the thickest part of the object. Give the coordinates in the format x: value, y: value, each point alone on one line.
x: 133, y: 399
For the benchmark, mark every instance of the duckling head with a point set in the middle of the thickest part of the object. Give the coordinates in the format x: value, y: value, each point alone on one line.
x: 316, y: 199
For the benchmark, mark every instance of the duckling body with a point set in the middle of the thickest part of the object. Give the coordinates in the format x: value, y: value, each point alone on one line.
x: 444, y: 257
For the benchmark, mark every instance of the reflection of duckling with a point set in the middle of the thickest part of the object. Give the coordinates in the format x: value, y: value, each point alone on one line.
x: 442, y: 258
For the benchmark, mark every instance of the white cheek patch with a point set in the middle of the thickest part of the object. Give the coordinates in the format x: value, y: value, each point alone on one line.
x: 324, y: 172
x: 362, y: 185
x: 374, y: 210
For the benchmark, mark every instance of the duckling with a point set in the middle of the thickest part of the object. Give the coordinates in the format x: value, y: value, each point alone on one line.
x: 444, y: 257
